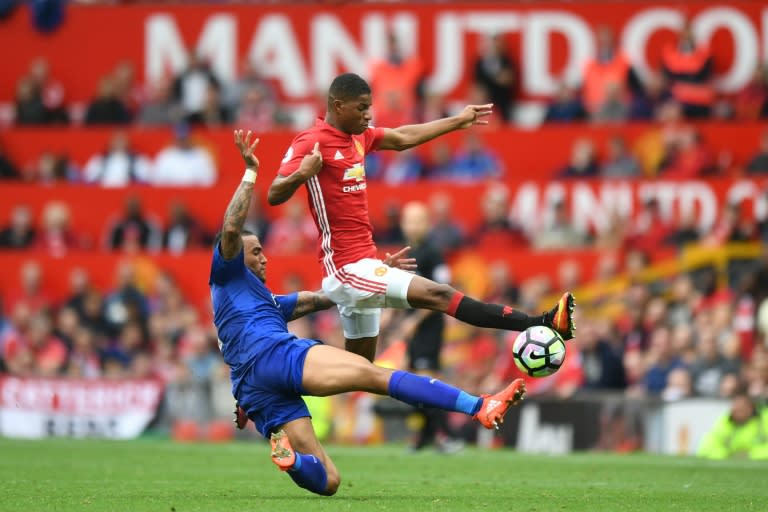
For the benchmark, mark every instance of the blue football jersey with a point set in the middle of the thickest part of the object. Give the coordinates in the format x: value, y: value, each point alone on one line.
x: 248, y: 316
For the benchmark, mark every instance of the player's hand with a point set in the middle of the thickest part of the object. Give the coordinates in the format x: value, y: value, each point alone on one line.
x: 398, y: 260
x: 312, y: 162
x: 243, y: 143
x: 474, y: 114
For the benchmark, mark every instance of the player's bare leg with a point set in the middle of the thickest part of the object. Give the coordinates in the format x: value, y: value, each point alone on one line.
x: 365, y: 347
x: 330, y: 371
x: 297, y: 451
x: 423, y: 293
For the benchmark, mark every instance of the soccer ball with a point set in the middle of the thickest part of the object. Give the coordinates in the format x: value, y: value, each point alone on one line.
x: 539, y: 351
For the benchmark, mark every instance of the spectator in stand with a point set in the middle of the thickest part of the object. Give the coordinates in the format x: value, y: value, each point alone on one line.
x: 566, y: 107
x: 710, y: 366
x: 583, y: 162
x: 475, y: 161
x: 107, y: 107
x: 190, y: 88
x: 661, y: 360
x: 678, y: 385
x: 388, y: 232
x: 40, y: 99
x: 200, y: 359
x: 557, y: 231
x: 649, y: 229
x: 257, y: 110
x: 51, y: 168
x: 135, y: 228
x: 433, y: 107
x: 56, y: 237
x: 601, y: 361
x: 440, y: 164
x: 31, y: 291
x: 8, y: 170
x: 126, y: 303
x: 184, y: 164
x: 653, y: 94
x: 692, y: 159
x: 29, y: 108
x: 84, y: 361
x: 47, y: 353
x: 20, y: 232
x: 686, y: 232
x: 79, y: 286
x: 739, y: 433
x: 758, y: 164
x: 118, y: 166
x: 614, y: 108
x: 160, y: 108
x: 609, y: 80
x: 234, y: 92
x: 213, y: 111
x: 751, y: 102
x: 292, y: 233
x: 446, y: 234
x: 495, y: 71
x: 734, y: 225
x: 688, y: 68
x: 183, y: 231
x: 620, y: 163
x: 404, y: 167
x: 127, y: 90
x: 495, y: 228
x: 396, y: 80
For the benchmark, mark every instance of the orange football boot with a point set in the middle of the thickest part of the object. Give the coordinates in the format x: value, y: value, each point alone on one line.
x: 491, y: 413
x: 282, y: 452
x: 560, y: 318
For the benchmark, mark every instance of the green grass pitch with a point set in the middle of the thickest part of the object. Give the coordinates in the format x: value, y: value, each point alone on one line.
x: 159, y: 475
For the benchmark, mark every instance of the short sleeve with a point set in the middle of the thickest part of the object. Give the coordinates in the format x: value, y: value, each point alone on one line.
x: 287, y: 304
x: 223, y: 270
x: 300, y: 147
x: 373, y: 137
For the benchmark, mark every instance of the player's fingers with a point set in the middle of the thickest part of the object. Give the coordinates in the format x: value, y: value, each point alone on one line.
x: 253, y: 146
x: 484, y: 113
x: 316, y: 149
x: 481, y: 121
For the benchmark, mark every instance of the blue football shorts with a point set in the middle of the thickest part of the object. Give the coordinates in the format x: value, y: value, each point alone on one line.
x: 271, y: 390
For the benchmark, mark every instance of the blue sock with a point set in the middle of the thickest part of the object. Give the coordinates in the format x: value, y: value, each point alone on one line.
x: 421, y: 391
x: 309, y: 473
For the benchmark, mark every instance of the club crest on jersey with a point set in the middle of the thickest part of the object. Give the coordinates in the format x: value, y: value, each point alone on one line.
x: 359, y: 147
x: 380, y: 271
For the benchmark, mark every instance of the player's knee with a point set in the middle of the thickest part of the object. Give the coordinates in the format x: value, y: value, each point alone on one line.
x: 437, y: 296
x: 334, y: 481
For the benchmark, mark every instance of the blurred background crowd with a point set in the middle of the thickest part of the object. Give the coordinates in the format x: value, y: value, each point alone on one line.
x: 667, y: 308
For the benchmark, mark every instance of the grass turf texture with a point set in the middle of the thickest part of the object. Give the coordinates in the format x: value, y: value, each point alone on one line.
x: 160, y: 475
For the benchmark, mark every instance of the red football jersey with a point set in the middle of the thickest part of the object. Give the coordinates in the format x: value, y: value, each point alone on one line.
x: 337, y: 196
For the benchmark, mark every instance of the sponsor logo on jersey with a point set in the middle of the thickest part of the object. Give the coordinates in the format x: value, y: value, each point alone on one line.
x: 354, y: 188
x: 380, y: 271
x: 356, y: 172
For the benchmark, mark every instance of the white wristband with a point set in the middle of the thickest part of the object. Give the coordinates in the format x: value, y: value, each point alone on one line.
x: 249, y: 176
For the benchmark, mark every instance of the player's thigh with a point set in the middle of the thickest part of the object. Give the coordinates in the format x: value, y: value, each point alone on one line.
x: 426, y: 294
x: 330, y: 371
x: 303, y: 439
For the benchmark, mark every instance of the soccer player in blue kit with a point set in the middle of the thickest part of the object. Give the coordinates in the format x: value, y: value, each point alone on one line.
x: 271, y: 368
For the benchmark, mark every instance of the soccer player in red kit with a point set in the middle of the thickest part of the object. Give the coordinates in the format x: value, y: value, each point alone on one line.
x: 328, y: 159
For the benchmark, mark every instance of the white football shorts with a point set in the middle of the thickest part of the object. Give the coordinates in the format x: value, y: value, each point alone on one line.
x: 361, y: 289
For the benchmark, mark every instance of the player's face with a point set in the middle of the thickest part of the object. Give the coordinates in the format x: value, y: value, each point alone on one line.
x: 254, y: 257
x: 355, y: 114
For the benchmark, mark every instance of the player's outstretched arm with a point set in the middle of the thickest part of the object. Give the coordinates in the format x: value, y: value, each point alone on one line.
x: 234, y: 218
x: 283, y: 187
x: 411, y: 135
x: 309, y: 302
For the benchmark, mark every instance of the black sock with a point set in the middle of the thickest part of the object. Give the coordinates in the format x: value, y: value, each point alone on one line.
x: 496, y: 316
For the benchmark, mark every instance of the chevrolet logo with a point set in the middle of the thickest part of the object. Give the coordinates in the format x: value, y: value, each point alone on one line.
x: 356, y: 172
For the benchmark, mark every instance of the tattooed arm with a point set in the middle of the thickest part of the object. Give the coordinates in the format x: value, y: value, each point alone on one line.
x: 309, y: 302
x: 234, y: 218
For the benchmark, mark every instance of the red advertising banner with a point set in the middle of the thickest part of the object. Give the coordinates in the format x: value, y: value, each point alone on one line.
x: 36, y: 408
x: 301, y: 47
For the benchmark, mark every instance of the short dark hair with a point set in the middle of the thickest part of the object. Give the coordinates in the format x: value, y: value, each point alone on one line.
x: 243, y: 232
x: 348, y: 86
